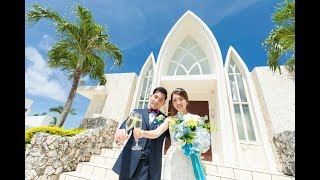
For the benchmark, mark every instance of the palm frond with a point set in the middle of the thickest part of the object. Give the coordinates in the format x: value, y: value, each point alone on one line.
x: 59, y: 110
x: 113, y: 52
x: 290, y: 65
x: 284, y: 12
x: 281, y: 40
x: 94, y: 66
x: 286, y: 36
x: 36, y: 13
x: 60, y: 56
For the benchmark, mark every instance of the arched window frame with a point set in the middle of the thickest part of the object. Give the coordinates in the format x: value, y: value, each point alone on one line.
x: 143, y: 98
x: 180, y: 63
x: 232, y: 64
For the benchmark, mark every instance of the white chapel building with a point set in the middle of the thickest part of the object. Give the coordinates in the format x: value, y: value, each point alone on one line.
x: 247, y: 108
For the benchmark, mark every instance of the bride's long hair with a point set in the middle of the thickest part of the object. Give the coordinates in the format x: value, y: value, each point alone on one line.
x: 181, y: 92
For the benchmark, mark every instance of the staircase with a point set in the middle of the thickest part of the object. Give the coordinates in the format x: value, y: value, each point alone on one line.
x: 100, y: 168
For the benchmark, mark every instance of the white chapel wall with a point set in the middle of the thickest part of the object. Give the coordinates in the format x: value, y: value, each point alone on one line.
x: 28, y: 103
x: 277, y: 98
x: 35, y: 121
x: 96, y: 105
x: 121, y: 87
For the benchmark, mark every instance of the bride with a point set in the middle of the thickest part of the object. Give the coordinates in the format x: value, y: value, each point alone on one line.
x: 177, y: 164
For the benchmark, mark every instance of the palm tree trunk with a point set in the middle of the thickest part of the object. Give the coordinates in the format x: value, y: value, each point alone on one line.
x: 72, y: 94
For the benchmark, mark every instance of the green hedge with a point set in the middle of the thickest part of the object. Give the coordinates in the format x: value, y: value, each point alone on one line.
x: 54, y: 130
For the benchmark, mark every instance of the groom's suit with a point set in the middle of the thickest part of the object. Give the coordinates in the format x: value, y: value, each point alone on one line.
x: 150, y: 157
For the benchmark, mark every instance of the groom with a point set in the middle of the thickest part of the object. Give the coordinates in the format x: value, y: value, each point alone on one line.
x: 142, y: 164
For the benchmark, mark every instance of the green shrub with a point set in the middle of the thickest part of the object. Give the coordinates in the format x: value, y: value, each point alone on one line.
x: 54, y: 130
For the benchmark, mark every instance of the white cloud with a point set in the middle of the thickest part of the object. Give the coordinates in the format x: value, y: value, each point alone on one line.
x: 40, y: 80
x: 46, y: 43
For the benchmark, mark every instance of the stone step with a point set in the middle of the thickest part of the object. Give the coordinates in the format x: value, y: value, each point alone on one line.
x: 103, y: 160
x: 108, y: 161
x: 243, y: 173
x: 100, y: 161
x: 110, y: 152
x: 89, y: 170
x: 75, y: 175
x: 94, y: 168
x: 100, y: 167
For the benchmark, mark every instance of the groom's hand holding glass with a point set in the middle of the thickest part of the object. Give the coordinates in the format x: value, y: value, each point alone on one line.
x: 121, y: 136
x: 137, y: 133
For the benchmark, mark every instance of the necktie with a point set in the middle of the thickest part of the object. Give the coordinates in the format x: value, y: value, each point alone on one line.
x: 154, y: 110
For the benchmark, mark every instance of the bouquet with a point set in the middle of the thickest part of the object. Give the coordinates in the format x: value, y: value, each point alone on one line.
x: 193, y: 134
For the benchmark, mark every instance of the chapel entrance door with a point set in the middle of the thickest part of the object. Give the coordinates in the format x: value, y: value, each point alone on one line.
x: 195, y: 107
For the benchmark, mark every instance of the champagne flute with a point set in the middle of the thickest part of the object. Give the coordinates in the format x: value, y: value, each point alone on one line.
x: 137, y: 125
x: 129, y: 125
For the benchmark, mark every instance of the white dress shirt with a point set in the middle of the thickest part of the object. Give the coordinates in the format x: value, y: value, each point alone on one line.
x: 152, y: 116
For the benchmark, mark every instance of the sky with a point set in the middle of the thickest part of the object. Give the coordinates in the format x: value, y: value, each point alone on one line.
x: 138, y: 28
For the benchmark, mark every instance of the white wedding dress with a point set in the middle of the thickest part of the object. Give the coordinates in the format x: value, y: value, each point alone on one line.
x: 176, y: 164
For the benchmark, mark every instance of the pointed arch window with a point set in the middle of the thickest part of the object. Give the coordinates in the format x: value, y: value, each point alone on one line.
x: 188, y: 59
x: 145, y: 89
x: 239, y: 96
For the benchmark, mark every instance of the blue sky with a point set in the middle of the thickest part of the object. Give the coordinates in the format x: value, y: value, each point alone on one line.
x: 139, y: 27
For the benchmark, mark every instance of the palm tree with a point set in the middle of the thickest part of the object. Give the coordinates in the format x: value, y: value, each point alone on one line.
x: 281, y: 41
x: 59, y: 110
x: 80, y: 48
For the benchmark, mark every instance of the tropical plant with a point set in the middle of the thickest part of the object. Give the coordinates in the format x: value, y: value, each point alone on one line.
x: 51, y: 130
x: 42, y: 114
x: 281, y: 41
x: 59, y: 110
x: 80, y: 48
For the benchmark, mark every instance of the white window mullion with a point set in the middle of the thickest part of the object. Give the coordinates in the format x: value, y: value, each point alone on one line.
x: 147, y: 78
x: 240, y: 106
x: 195, y: 64
x: 145, y: 91
x: 180, y: 65
x: 251, y: 116
x: 147, y: 88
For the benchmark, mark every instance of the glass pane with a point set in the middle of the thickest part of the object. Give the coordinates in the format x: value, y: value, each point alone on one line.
x: 237, y: 112
x: 180, y: 71
x: 237, y: 70
x: 140, y: 105
x: 242, y: 92
x: 230, y: 70
x: 151, y: 72
x: 145, y: 104
x: 143, y: 90
x: 233, y: 88
x: 198, y: 53
x: 231, y: 66
x: 195, y: 70
x: 172, y: 67
x: 188, y: 43
x: 231, y: 62
x: 148, y: 89
x: 188, y: 61
x: 205, y: 67
x: 249, y: 125
x: 178, y: 54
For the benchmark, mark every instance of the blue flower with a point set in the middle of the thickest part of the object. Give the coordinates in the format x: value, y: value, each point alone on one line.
x: 159, y: 120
